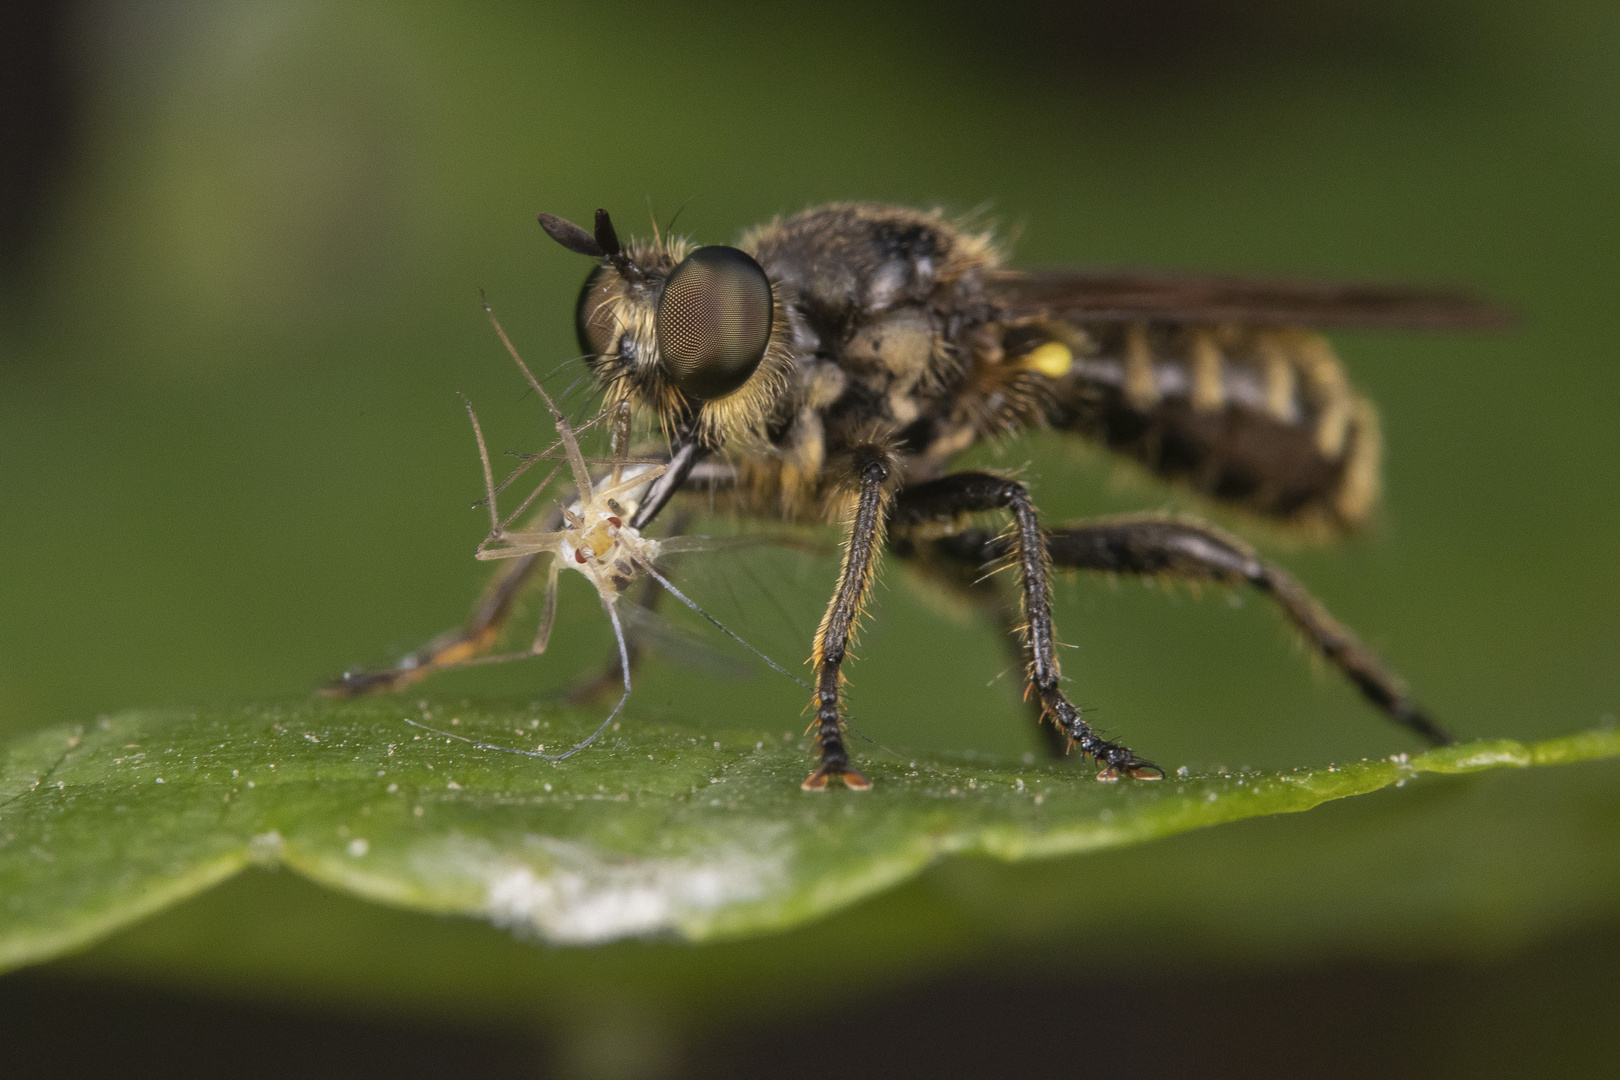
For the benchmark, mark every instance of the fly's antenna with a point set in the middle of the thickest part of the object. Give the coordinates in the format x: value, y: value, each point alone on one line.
x: 601, y: 243
x: 624, y: 666
x: 652, y: 571
x: 606, y: 238
x: 576, y: 460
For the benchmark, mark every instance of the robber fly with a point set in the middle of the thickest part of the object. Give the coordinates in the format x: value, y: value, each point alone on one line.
x: 832, y: 364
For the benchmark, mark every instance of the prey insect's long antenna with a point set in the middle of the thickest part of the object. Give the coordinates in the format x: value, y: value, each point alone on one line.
x: 576, y: 461
x: 652, y: 572
x: 529, y: 460
x: 624, y: 665
x: 489, y: 473
x: 533, y: 495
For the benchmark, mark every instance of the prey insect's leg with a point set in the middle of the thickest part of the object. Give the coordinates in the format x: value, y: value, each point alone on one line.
x: 1193, y: 550
x: 951, y: 497
x: 460, y: 645
x: 838, y: 626
x: 612, y: 673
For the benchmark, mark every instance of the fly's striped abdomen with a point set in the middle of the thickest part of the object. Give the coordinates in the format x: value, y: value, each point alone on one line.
x: 1260, y: 418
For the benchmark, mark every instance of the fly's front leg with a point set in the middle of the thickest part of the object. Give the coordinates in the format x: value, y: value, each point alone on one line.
x: 1193, y: 550
x: 872, y: 471
x: 949, y: 498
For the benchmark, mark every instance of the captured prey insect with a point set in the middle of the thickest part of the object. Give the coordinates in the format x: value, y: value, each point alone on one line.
x: 834, y: 363
x: 590, y: 536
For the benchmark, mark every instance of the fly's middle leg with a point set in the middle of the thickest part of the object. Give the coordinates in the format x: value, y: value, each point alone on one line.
x: 950, y: 498
x: 957, y: 564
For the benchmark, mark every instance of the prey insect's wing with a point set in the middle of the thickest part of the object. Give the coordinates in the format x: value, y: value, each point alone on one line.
x: 678, y: 645
x: 1099, y: 296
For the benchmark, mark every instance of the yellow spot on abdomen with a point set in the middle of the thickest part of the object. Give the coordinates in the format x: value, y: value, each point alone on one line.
x: 1053, y: 359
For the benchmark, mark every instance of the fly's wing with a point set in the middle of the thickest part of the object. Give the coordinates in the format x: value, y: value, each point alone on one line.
x: 679, y: 645
x: 1127, y: 297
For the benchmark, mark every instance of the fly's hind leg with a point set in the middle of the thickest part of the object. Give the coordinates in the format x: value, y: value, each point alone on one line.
x: 1193, y: 551
x: 950, y: 498
x: 466, y: 643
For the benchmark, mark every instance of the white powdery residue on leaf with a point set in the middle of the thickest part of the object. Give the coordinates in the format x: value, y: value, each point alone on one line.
x: 571, y: 893
x: 266, y: 848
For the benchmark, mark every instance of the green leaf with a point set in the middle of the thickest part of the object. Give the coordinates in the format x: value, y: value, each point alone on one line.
x: 653, y: 831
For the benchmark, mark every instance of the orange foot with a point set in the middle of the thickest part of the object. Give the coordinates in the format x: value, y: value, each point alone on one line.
x: 817, y: 781
x: 1135, y: 772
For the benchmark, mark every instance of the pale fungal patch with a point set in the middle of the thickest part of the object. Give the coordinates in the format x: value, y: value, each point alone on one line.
x: 266, y: 848
x: 586, y: 898
x: 572, y: 893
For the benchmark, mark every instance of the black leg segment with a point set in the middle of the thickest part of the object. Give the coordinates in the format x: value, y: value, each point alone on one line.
x: 872, y: 470
x: 949, y: 498
x: 1194, y: 551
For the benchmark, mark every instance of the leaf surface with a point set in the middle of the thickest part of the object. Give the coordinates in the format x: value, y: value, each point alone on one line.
x: 654, y: 831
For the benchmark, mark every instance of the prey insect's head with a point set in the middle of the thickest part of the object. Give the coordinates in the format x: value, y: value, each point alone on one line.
x: 696, y: 334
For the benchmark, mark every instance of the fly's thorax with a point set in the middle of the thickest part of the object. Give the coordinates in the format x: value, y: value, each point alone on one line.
x: 846, y: 263
x: 880, y: 299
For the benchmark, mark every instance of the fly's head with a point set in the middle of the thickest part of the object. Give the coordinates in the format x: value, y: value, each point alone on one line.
x: 696, y: 335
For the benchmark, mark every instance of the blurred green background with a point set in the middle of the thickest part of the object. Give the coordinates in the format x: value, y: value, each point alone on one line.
x: 240, y: 295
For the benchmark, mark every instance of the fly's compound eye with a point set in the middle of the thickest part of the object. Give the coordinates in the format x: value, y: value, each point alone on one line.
x: 593, y: 321
x: 714, y: 322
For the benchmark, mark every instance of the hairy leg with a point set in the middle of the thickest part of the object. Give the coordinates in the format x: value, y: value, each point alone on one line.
x: 946, y: 500
x: 1194, y: 551
x: 962, y: 575
x: 872, y: 470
